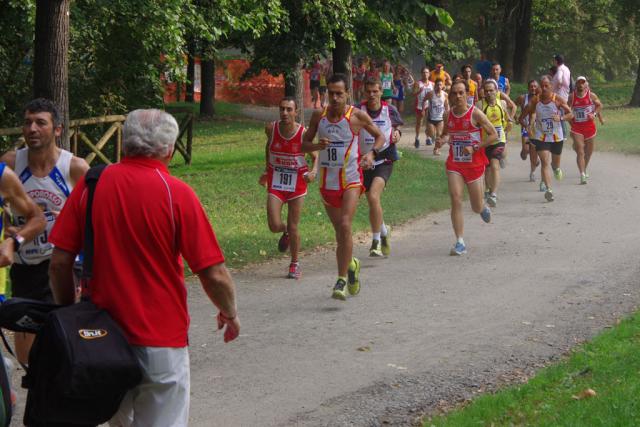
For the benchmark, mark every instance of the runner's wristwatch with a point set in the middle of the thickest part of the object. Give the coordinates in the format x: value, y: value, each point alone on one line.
x: 18, y: 240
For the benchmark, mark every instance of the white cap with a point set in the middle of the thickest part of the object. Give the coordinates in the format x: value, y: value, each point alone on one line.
x: 581, y: 78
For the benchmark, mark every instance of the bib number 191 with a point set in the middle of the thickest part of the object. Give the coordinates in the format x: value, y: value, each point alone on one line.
x: 284, y: 179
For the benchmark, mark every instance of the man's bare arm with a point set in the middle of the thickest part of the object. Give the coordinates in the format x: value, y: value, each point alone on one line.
x: 596, y: 101
x: 61, y: 276
x: 13, y: 192
x: 307, y: 139
x: 9, y: 158
x: 218, y: 284
x: 77, y: 168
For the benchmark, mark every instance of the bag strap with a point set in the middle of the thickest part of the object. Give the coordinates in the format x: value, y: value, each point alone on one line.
x: 91, y: 180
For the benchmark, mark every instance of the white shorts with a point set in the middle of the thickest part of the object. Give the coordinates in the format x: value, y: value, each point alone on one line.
x: 162, y: 398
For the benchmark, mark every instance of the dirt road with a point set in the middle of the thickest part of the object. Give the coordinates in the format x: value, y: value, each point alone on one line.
x: 427, y: 329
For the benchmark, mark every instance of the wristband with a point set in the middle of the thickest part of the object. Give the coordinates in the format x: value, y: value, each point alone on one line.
x: 18, y: 240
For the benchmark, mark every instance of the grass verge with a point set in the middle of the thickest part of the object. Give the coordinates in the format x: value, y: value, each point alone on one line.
x: 621, y: 132
x: 228, y: 157
x: 609, y: 365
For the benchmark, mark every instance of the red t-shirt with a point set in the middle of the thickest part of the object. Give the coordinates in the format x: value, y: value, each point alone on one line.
x: 144, y: 221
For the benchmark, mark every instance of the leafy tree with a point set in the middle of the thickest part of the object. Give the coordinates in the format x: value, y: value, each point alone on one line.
x: 217, y: 24
x: 17, y: 21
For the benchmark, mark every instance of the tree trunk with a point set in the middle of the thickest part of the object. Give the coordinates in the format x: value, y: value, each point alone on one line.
x: 208, y: 90
x: 342, y: 60
x: 483, y: 43
x: 50, y: 74
x: 191, y: 71
x: 522, y: 50
x: 294, y: 86
x: 506, y: 40
x: 635, y: 98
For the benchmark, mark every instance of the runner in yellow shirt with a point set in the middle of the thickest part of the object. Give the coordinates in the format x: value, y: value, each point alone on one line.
x: 496, y: 111
x: 440, y: 73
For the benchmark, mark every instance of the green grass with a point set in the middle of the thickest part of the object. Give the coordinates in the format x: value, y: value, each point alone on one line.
x: 610, y: 365
x: 621, y: 131
x: 223, y: 109
x: 228, y: 158
x: 612, y: 94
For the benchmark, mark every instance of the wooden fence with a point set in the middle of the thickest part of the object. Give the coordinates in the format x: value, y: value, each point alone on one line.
x: 79, y: 138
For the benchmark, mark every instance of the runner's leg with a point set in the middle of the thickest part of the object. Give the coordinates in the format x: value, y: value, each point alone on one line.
x: 419, y: 117
x: 578, y: 146
x: 375, y: 214
x: 545, y: 160
x: 274, y: 214
x: 294, y: 209
x: 342, y: 218
x: 534, y: 160
x: 589, y: 146
x: 475, y: 194
x: 456, y: 190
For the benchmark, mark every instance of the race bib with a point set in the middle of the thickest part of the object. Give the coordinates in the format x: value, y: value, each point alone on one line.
x: 437, y: 109
x: 581, y: 114
x: 333, y: 156
x: 547, y: 126
x: 459, y: 155
x: 470, y: 100
x: 284, y: 179
x: 386, y: 84
x: 500, y: 132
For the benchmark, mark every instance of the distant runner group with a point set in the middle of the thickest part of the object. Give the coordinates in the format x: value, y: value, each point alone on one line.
x: 355, y: 148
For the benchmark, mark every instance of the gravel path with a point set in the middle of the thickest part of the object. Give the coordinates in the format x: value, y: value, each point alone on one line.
x: 428, y: 330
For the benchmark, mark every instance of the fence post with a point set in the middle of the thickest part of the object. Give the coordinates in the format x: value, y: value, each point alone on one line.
x: 118, y: 146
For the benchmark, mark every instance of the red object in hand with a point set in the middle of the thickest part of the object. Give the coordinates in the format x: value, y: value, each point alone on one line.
x: 263, y: 179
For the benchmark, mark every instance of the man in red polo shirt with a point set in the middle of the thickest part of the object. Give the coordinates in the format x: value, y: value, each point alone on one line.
x: 145, y: 221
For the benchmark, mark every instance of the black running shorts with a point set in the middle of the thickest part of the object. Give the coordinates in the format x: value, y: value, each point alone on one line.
x: 383, y: 171
x: 554, y: 147
x: 31, y: 281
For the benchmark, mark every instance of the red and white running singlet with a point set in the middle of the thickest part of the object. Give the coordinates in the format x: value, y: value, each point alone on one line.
x: 463, y: 133
x: 582, y: 108
x: 339, y: 162
x: 287, y: 164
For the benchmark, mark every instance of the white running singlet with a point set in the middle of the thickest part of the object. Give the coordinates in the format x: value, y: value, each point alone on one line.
x: 383, y: 122
x: 546, y: 128
x: 49, y: 193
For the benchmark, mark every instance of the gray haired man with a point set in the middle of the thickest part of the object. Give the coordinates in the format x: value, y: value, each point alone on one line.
x: 145, y: 221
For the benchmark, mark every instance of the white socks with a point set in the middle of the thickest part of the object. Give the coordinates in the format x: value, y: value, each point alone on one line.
x: 383, y: 230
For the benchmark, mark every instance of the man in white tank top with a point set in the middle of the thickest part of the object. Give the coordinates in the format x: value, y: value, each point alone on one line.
x: 438, y: 109
x: 387, y: 118
x: 338, y: 127
x: 48, y: 175
x: 544, y: 114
